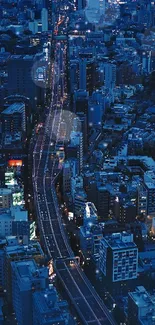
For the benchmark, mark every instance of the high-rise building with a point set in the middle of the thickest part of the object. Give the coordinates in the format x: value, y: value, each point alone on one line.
x: 87, y: 74
x: 146, y: 62
x: 81, y: 101
x: 118, y: 257
x: 70, y: 169
x: 73, y: 75
x: 150, y: 189
x: 103, y: 200
x: 109, y: 75
x: 48, y: 5
x: 22, y: 74
x: 13, y: 118
x: 96, y: 109
x: 44, y: 19
x: 27, y: 278
x: 18, y: 252
x: 92, y: 191
x: 81, y: 126
x: 67, y: 173
x: 125, y: 212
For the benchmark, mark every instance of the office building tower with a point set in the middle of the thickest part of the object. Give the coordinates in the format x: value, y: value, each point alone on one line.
x: 44, y: 19
x: 150, y: 189
x: 146, y: 62
x: 135, y: 145
x: 67, y: 173
x: 73, y: 75
x: 92, y: 191
x: 86, y: 241
x: 82, y: 119
x: 47, y: 309
x: 109, y: 75
x: 118, y: 257
x: 103, y: 200
x: 26, y: 279
x: 141, y: 307
x: 13, y: 118
x: 75, y: 148
x: 87, y: 72
x: 49, y: 6
x: 95, y: 109
x: 14, y: 251
x: 5, y: 198
x: 97, y: 236
x: 125, y: 211
x: 81, y: 101
x: 23, y: 78
x: 70, y: 169
x: 73, y: 152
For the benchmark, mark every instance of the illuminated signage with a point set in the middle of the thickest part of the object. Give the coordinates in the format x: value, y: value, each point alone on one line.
x: 15, y: 163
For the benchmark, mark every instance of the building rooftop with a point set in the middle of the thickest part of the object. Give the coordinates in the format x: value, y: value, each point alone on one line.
x: 14, y: 108
x: 145, y: 304
x: 119, y: 241
x: 5, y: 191
x: 27, y: 273
x: 32, y: 249
x: 14, y: 213
x: 150, y: 185
x: 49, y: 307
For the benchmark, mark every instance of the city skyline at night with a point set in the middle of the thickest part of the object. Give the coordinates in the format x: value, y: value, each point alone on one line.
x: 77, y: 162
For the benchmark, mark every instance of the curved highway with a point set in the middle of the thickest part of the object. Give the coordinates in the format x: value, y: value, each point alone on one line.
x: 90, y: 308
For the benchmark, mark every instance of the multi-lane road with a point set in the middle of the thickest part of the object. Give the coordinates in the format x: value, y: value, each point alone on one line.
x: 90, y: 308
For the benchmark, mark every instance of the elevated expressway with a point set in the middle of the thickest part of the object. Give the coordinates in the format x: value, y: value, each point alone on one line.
x: 90, y: 308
